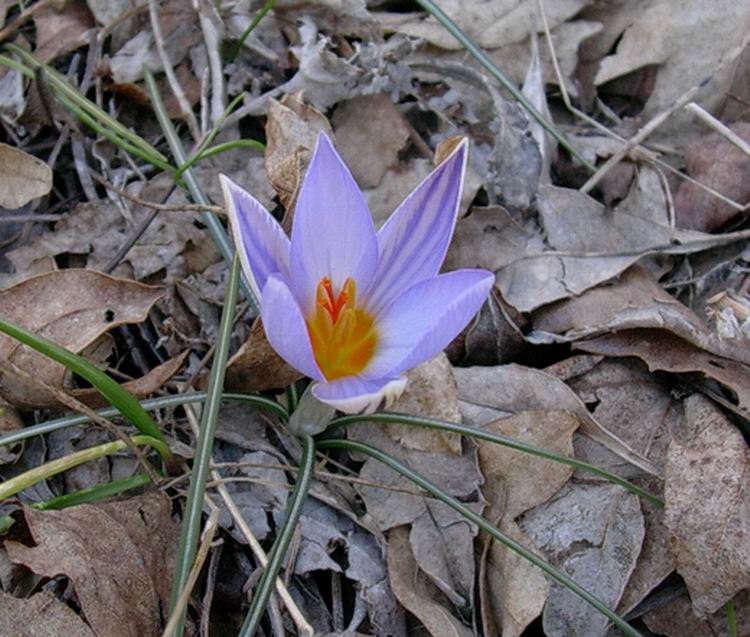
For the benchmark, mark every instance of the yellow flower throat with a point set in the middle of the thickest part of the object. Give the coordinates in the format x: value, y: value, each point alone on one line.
x: 342, y: 335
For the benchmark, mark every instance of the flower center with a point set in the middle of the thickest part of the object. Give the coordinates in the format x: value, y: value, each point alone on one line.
x: 342, y: 335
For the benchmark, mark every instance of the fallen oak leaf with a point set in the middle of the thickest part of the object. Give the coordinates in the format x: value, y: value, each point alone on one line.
x: 38, y: 616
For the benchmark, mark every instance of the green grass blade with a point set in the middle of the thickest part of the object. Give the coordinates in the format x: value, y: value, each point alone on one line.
x: 84, y: 496
x: 125, y: 403
x: 280, y: 546
x: 225, y: 146
x: 505, y: 441
x: 250, y: 28
x: 150, y: 404
x: 480, y: 56
x: 191, y: 521
x: 483, y: 524
x: 53, y: 467
x: 216, y: 230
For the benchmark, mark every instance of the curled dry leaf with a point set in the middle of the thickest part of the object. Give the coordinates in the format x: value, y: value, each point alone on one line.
x: 40, y: 615
x: 73, y: 308
x: 61, y: 28
x: 677, y: 619
x: 708, y: 506
x: 118, y: 557
x: 23, y: 177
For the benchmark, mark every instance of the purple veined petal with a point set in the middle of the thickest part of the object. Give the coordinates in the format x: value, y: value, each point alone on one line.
x: 426, y: 318
x: 414, y: 240
x: 261, y: 243
x: 332, y: 235
x: 286, y: 329
x: 355, y: 395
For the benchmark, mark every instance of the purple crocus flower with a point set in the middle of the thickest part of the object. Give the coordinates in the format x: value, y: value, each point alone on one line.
x: 349, y: 307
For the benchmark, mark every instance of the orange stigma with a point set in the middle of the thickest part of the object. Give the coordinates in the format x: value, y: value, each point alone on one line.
x: 342, y: 335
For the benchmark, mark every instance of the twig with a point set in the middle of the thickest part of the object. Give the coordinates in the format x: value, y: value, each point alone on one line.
x: 200, y: 557
x: 636, y: 139
x: 208, y: 596
x: 211, y: 39
x: 185, y: 207
x: 720, y: 128
x: 303, y: 627
x: 174, y: 83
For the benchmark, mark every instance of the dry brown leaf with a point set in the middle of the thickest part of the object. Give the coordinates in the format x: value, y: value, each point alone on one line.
x: 490, y: 24
x: 291, y: 130
x: 397, y: 183
x: 369, y: 151
x: 257, y: 367
x: 431, y: 392
x: 151, y: 382
x: 40, y: 615
x: 662, y: 350
x: 117, y: 555
x: 488, y: 393
x: 708, y: 506
x: 716, y: 162
x: 513, y: 591
x: 514, y: 483
x: 677, y: 619
x: 689, y: 42
x: 61, y: 28
x: 73, y: 308
x: 415, y: 592
x: 635, y: 300
x: 23, y: 177
x: 10, y: 421
x: 593, y: 533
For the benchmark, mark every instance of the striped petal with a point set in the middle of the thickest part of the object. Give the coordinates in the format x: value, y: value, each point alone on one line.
x: 355, y: 395
x: 426, y: 318
x: 333, y: 235
x: 261, y: 243
x: 286, y: 329
x: 413, y: 242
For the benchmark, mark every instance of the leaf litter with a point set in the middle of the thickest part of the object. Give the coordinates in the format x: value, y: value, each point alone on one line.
x: 617, y: 331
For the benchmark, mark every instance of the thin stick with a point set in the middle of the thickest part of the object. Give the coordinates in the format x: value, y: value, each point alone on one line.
x: 200, y: 557
x: 174, y: 83
x: 720, y: 128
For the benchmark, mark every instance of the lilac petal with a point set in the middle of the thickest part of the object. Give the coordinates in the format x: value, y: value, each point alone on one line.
x: 413, y: 242
x: 261, y: 243
x: 333, y: 235
x: 285, y: 327
x: 355, y: 395
x: 425, y: 318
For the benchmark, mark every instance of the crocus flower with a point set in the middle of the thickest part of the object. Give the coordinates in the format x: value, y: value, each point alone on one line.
x: 351, y: 308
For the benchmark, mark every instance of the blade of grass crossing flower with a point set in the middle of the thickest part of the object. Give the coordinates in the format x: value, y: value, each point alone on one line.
x: 150, y: 404
x: 278, y: 552
x: 216, y: 230
x: 250, y: 28
x: 125, y: 403
x: 191, y: 521
x: 483, y: 524
x: 53, y: 467
x: 480, y: 56
x: 505, y: 441
x: 84, y: 496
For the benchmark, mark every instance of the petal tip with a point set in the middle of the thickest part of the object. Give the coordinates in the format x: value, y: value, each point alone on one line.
x: 369, y: 400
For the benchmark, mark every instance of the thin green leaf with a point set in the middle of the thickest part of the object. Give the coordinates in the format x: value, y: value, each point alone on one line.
x: 505, y: 441
x: 232, y: 145
x: 53, y: 467
x: 280, y: 546
x: 466, y: 512
x: 216, y: 230
x: 125, y: 403
x: 250, y: 28
x: 191, y: 521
